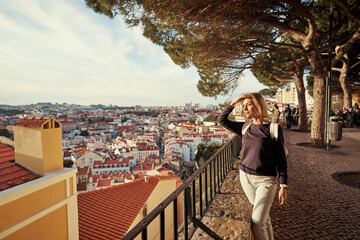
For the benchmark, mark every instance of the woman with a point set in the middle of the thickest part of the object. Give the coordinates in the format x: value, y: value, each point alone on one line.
x: 262, y: 159
x: 276, y: 114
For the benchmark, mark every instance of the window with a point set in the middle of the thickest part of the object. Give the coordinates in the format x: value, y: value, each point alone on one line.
x: 47, y: 125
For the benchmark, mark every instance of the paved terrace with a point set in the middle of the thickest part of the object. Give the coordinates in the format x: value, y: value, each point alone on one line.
x: 318, y: 207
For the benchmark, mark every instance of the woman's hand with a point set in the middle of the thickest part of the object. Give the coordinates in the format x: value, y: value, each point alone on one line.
x: 282, y: 195
x: 238, y: 99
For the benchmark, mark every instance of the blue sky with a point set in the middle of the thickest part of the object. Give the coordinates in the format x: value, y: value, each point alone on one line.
x: 61, y: 51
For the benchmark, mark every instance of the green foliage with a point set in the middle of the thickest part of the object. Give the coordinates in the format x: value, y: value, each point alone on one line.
x: 208, y: 152
x: 224, y: 38
x: 143, y: 113
x: 270, y: 69
x: 5, y: 133
x: 310, y: 83
x: 216, y: 51
x: 200, y: 149
x: 268, y: 92
x: 84, y: 133
x: 211, y: 118
x: 225, y: 104
x: 68, y: 163
x: 10, y: 112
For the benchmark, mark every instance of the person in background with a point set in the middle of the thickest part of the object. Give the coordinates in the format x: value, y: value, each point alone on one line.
x: 296, y: 115
x: 357, y: 117
x: 263, y: 158
x: 287, y: 116
x: 276, y: 114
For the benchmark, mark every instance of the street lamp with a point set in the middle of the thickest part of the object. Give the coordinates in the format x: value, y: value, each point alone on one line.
x: 328, y: 83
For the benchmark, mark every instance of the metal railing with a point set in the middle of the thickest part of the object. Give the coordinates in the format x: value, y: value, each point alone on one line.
x: 194, y: 195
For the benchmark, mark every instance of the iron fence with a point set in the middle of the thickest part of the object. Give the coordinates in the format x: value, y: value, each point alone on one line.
x: 193, y: 197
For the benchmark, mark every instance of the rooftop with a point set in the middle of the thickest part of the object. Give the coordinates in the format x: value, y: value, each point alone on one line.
x: 12, y: 174
x: 108, y: 213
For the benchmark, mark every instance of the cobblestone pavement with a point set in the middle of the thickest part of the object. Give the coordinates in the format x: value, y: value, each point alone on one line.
x: 230, y: 212
x: 318, y: 206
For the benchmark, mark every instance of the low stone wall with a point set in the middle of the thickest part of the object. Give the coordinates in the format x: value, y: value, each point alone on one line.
x: 229, y: 215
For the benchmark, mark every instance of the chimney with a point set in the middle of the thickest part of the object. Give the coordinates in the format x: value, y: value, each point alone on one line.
x: 38, y: 144
x: 146, y: 178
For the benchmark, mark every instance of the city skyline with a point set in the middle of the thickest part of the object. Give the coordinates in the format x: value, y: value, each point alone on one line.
x: 64, y: 52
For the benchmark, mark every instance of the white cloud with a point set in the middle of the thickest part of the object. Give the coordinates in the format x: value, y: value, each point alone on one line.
x: 61, y: 51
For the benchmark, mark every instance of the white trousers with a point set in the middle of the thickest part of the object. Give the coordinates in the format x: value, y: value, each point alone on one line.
x: 260, y: 190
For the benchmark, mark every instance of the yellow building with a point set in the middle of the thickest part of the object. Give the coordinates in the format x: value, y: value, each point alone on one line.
x: 38, y: 197
x: 111, y: 212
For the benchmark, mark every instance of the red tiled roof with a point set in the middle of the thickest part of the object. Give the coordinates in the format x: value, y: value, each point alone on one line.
x: 31, y: 122
x: 83, y: 171
x: 113, y: 209
x: 11, y: 175
x: 104, y: 183
x: 145, y: 166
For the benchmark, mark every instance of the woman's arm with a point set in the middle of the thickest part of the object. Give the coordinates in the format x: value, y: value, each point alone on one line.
x: 223, y: 120
x: 281, y: 157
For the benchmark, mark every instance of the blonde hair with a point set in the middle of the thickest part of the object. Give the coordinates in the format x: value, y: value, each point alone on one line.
x: 260, y: 104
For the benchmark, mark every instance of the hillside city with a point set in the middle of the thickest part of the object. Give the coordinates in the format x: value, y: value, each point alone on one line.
x: 111, y: 145
x: 120, y: 162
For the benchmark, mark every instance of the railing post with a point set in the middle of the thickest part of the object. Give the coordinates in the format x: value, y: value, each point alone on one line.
x: 218, y: 173
x: 200, y: 192
x: 175, y: 219
x: 210, y: 181
x: 214, y: 173
x: 194, y: 200
x: 162, y: 225
x: 144, y: 234
x: 187, y: 212
x: 206, y: 188
x: 223, y: 165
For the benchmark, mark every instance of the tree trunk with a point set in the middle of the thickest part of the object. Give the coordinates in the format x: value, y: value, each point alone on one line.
x: 345, y: 84
x: 319, y: 92
x: 299, y: 82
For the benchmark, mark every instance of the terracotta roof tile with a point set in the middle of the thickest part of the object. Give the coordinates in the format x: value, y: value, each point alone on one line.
x: 11, y: 174
x: 31, y: 122
x: 113, y: 209
x: 104, y: 183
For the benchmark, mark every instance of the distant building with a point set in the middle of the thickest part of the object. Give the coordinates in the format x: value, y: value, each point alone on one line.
x: 289, y: 96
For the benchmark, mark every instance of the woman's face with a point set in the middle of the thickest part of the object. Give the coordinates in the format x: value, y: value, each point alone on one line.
x: 249, y: 107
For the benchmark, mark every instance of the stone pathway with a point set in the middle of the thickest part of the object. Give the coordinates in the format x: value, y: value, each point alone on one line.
x: 318, y: 206
x: 230, y: 212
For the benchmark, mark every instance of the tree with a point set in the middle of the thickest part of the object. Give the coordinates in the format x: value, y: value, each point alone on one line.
x: 349, y: 63
x: 5, y: 133
x: 281, y: 67
x: 200, y: 149
x: 209, y: 151
x: 211, y: 118
x: 84, y: 133
x: 68, y: 163
x: 268, y: 92
x: 221, y: 37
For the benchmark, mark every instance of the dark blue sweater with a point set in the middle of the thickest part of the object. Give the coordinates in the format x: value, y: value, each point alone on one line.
x: 261, y: 155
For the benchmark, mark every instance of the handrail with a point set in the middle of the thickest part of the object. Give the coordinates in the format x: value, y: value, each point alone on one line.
x: 228, y: 150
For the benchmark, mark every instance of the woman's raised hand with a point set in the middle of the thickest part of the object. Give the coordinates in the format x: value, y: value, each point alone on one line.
x: 239, y: 99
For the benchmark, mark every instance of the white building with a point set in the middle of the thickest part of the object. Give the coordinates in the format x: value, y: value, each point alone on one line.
x: 117, y: 165
x: 185, y: 147
x: 87, y: 159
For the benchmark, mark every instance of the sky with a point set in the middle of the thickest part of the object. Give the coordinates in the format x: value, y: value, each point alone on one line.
x: 64, y: 52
